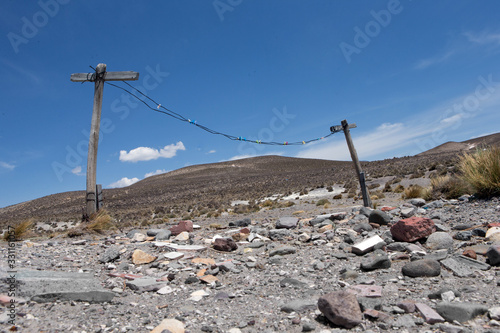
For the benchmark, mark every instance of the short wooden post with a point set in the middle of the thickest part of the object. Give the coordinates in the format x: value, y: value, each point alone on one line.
x: 354, y: 155
x: 100, y: 75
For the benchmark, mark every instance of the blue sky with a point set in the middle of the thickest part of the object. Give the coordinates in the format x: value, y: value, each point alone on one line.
x: 411, y: 75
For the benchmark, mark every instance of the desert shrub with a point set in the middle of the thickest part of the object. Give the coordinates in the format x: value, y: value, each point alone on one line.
x: 337, y: 197
x: 100, y: 222
x: 482, y: 171
x: 377, y: 195
x: 399, y: 189
x: 267, y: 203
x: 19, y: 231
x: 450, y: 187
x: 289, y: 204
x: 329, y: 189
x: 372, y: 186
x: 417, y: 174
x: 322, y: 202
x: 387, y: 187
x: 416, y: 191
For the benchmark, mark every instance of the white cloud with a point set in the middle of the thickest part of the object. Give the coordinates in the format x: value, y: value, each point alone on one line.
x: 7, y: 165
x: 424, y: 63
x: 78, y: 171
x: 124, y: 182
x: 213, y: 151
x: 147, y: 154
x: 483, y: 38
x: 154, y: 173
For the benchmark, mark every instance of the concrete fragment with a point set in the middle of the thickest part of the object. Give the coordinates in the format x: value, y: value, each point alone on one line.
x: 367, y: 245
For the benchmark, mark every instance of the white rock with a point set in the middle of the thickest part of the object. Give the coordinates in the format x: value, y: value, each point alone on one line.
x: 494, y: 313
x: 173, y: 255
x: 367, y: 245
x: 165, y: 290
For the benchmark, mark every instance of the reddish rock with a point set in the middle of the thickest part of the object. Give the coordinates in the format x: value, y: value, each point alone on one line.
x: 387, y: 208
x: 470, y: 253
x: 181, y: 227
x: 412, y: 229
x: 244, y: 231
x: 377, y: 315
x: 493, y: 224
x: 225, y: 244
x: 341, y: 308
x: 408, y: 306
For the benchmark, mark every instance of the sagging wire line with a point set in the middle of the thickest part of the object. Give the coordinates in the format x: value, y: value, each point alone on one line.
x: 161, y: 109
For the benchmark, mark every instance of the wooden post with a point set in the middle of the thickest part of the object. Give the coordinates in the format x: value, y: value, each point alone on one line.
x: 98, y: 78
x: 354, y: 155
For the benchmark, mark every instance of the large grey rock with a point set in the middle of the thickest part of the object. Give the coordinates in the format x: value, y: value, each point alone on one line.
x: 153, y: 232
x: 379, y: 217
x: 49, y: 286
x: 279, y: 234
x: 377, y: 260
x: 439, y: 240
x: 419, y: 202
x: 132, y: 232
x: 163, y: 235
x: 287, y: 223
x: 460, y: 312
x: 241, y: 223
x: 493, y: 254
x: 365, y: 211
x: 111, y: 254
x: 341, y: 308
x: 423, y: 267
x: 299, y: 305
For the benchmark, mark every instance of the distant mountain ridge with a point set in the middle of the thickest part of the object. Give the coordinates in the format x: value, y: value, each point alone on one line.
x: 451, y: 146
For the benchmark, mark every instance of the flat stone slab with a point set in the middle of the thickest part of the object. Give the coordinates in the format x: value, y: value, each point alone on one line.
x: 366, y: 290
x: 463, y: 266
x: 146, y: 284
x: 49, y: 286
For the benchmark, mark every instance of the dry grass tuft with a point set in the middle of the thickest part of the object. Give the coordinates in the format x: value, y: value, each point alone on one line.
x: 19, y: 232
x: 101, y: 222
x: 450, y: 187
x: 482, y: 171
x: 322, y: 202
x: 416, y: 191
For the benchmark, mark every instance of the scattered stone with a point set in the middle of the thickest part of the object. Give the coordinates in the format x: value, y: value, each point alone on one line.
x: 494, y: 313
x: 463, y: 235
x: 437, y: 255
x: 282, y: 250
x: 299, y: 305
x: 423, y: 267
x: 279, y: 234
x: 439, y: 240
x: 412, y: 229
x: 377, y: 260
x: 182, y: 226
x: 209, y: 279
x: 470, y: 254
x: 367, y: 245
x: 374, y: 303
x: 287, y: 223
x: 460, y: 312
x: 140, y: 257
x: 304, y: 237
x: 163, y: 235
x: 145, y: 284
x: 365, y: 211
x: 463, y: 266
x: 169, y: 325
x: 377, y: 315
x: 111, y: 254
x: 418, y: 202
x: 363, y: 226
x: 292, y: 282
x: 341, y: 308
x: 182, y: 237
x: 493, y: 254
x: 429, y: 314
x: 448, y: 328
x: 173, y: 255
x: 224, y: 244
x: 325, y: 228
x: 379, y: 217
x: 490, y: 234
x: 138, y: 237
x: 407, y: 212
x: 407, y: 306
x: 132, y: 232
x: 198, y: 295
x: 241, y: 223
x: 153, y: 232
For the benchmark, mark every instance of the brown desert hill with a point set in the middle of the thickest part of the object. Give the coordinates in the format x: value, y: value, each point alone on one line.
x: 464, y: 146
x: 212, y: 187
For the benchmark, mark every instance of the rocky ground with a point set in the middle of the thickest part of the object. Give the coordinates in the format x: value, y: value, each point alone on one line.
x: 295, y: 269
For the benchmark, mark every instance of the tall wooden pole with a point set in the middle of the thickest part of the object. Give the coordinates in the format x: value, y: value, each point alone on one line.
x: 94, y: 139
x: 354, y: 155
x: 98, y: 78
